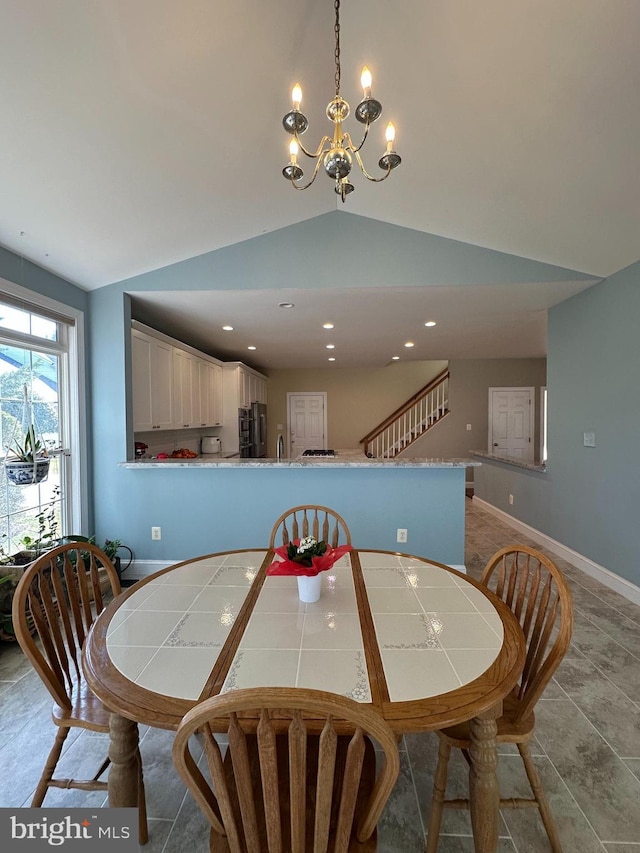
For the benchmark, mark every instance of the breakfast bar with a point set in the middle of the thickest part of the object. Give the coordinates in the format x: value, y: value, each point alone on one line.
x: 228, y: 503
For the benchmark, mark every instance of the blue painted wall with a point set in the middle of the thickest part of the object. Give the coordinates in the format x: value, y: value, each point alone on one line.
x: 206, y: 510
x: 589, y: 498
x: 128, y: 503
x: 593, y: 369
x: 190, y: 505
x: 23, y: 272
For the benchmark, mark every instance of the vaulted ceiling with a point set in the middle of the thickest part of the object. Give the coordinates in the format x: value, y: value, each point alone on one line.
x: 138, y: 133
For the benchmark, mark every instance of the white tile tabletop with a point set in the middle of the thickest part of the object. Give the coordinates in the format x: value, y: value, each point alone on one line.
x: 435, y: 630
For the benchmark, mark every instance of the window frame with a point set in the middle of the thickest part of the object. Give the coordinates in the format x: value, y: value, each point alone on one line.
x: 71, y: 351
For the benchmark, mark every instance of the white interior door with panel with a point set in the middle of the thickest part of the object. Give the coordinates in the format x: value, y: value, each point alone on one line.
x: 307, y: 422
x: 511, y: 424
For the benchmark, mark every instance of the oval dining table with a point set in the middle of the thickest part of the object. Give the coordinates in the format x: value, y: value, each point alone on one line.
x: 423, y: 644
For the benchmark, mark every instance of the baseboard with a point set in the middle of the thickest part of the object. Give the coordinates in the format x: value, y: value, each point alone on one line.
x: 143, y: 568
x: 622, y: 586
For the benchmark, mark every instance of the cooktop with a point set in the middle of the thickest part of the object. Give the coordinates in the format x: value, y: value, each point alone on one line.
x: 318, y: 452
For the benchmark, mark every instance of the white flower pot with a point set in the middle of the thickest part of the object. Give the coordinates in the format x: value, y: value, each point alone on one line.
x: 309, y: 587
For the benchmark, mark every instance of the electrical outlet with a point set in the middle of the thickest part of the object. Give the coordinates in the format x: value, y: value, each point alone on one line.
x: 156, y: 533
x: 468, y: 427
x: 589, y: 439
x: 401, y: 534
x: 511, y: 499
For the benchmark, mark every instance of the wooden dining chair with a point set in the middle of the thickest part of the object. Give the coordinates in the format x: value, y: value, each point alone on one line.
x: 54, y: 606
x: 539, y: 596
x: 318, y: 521
x: 299, y: 773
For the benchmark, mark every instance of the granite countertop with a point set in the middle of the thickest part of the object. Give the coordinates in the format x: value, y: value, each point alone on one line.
x: 342, y: 459
x: 508, y: 460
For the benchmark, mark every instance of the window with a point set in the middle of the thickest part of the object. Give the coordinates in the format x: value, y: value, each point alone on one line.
x: 39, y: 380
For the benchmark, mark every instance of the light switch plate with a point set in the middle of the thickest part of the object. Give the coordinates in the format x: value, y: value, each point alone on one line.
x: 589, y: 439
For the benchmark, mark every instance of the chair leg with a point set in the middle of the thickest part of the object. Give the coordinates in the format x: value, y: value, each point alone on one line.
x: 541, y: 798
x: 50, y: 766
x: 437, y: 800
x: 143, y: 828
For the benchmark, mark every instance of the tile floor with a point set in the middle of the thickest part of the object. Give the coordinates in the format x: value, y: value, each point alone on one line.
x: 587, y: 742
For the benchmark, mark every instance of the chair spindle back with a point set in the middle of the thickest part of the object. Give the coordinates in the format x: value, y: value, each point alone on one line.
x: 539, y: 596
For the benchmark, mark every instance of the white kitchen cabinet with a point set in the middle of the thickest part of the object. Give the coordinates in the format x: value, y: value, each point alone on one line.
x: 152, y: 383
x: 214, y: 393
x: 261, y: 390
x: 241, y: 386
x: 172, y: 386
x: 183, y: 376
x: 199, y: 393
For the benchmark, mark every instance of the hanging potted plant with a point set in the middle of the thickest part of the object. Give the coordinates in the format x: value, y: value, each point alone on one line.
x: 27, y: 461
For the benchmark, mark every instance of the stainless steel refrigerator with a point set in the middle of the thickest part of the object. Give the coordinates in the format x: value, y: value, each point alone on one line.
x: 258, y: 430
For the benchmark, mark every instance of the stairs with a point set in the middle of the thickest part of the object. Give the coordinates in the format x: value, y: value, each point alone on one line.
x: 409, y: 422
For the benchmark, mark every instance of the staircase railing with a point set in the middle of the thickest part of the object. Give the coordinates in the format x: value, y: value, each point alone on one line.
x: 420, y: 413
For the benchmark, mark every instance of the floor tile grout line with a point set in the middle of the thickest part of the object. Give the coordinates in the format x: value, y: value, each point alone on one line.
x: 613, y: 639
x: 561, y: 777
x: 604, y: 675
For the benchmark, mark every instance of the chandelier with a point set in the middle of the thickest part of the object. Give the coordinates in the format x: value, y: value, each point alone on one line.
x: 336, y: 153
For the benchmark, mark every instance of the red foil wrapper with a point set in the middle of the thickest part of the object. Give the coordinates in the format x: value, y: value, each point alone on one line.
x: 318, y: 564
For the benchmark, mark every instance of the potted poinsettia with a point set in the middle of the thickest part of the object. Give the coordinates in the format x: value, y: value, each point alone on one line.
x: 306, y: 558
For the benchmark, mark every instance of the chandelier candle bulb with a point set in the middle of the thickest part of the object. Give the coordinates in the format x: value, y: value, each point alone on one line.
x: 390, y: 135
x: 365, y: 81
x: 296, y: 96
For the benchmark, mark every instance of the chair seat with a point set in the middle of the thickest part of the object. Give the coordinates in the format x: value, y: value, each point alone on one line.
x: 87, y: 711
x: 219, y: 844
x: 510, y: 728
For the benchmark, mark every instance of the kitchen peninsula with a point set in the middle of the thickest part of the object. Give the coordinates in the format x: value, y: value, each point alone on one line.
x: 231, y: 503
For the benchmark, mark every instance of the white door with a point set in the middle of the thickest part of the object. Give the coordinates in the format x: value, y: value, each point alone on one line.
x: 307, y: 422
x: 511, y: 422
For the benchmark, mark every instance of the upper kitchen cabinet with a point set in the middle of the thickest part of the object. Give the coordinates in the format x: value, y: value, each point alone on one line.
x: 152, y: 383
x: 243, y: 386
x: 206, y: 393
x: 185, y: 388
x: 214, y: 393
x: 173, y: 386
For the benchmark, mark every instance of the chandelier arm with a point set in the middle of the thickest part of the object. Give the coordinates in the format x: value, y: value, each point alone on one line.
x: 350, y: 144
x: 306, y: 186
x: 319, y: 149
x: 366, y: 174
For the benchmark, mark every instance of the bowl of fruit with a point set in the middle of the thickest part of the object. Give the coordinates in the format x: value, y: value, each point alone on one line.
x: 183, y: 453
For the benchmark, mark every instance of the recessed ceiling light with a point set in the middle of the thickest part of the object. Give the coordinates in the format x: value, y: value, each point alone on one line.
x: 430, y: 323
x: 227, y: 328
x: 395, y: 358
x: 286, y: 305
x: 327, y: 325
x: 409, y: 344
x: 252, y: 347
x: 331, y: 346
x: 332, y: 358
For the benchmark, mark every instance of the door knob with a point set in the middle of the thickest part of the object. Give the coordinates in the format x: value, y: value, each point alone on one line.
x: 495, y: 443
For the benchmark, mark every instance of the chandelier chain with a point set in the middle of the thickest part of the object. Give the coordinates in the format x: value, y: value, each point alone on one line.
x: 336, y: 30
